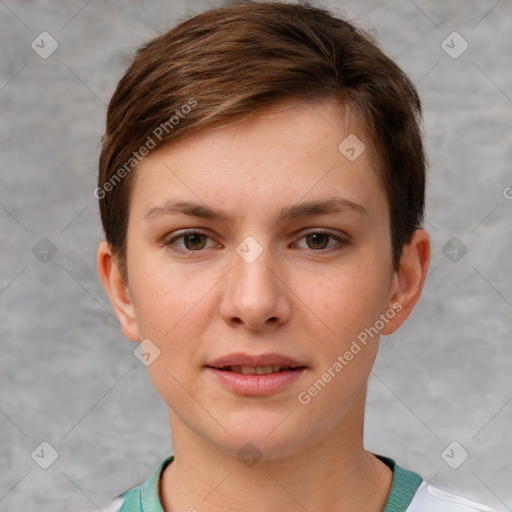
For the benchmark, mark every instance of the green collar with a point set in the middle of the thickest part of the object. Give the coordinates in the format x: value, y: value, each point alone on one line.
x: 403, y: 488
x: 146, y: 497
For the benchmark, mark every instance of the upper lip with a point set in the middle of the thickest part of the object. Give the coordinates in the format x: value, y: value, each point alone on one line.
x: 241, y: 359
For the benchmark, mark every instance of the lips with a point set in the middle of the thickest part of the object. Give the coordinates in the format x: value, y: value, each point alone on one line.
x: 262, y: 364
x: 256, y: 370
x: 256, y: 375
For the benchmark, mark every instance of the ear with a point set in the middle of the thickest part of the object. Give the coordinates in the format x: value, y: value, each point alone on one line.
x: 118, y: 291
x: 409, y: 279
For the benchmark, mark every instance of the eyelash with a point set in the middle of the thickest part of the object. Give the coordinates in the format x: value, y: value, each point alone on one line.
x: 169, y: 242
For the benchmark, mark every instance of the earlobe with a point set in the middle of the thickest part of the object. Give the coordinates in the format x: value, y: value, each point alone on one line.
x: 409, y: 279
x: 117, y: 291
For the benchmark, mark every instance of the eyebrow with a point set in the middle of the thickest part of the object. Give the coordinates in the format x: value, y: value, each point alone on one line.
x: 307, y: 209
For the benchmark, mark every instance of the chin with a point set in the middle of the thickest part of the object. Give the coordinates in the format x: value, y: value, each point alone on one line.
x: 259, y: 442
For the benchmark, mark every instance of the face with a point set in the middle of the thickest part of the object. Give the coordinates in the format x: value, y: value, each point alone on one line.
x: 255, y: 247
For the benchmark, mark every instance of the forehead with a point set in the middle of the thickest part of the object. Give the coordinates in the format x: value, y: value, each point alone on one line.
x: 296, y: 150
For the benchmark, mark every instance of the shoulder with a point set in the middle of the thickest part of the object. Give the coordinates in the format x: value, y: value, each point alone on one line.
x: 143, y: 497
x: 115, y: 506
x: 133, y: 501
x: 431, y: 499
x: 127, y: 502
x: 112, y: 506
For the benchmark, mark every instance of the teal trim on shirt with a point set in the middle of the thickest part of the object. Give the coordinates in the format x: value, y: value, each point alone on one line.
x: 403, y: 487
x: 146, y: 497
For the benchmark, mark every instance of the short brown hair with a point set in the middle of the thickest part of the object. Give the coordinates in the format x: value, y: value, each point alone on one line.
x: 230, y: 62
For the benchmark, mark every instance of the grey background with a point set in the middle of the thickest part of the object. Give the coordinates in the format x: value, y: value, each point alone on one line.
x: 67, y: 374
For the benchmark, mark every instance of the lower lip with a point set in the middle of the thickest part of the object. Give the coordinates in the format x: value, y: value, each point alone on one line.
x: 256, y: 385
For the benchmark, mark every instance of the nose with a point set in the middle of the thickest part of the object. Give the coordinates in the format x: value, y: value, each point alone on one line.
x: 255, y: 293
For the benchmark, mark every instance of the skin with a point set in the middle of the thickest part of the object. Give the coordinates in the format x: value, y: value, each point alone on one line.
x: 304, y: 297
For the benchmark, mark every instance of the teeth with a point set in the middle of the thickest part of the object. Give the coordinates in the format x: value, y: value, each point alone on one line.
x: 258, y: 370
x: 263, y: 370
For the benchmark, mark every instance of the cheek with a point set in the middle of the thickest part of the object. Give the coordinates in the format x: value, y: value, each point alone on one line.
x: 167, y: 301
x: 347, y: 300
x: 174, y: 313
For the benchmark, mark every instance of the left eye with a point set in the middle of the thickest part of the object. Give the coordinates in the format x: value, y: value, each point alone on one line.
x: 319, y: 240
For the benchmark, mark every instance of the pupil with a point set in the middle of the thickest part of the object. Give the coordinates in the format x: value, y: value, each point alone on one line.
x: 315, y: 236
x: 194, y: 238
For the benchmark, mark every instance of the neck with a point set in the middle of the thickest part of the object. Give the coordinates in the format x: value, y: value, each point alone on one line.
x: 335, y: 473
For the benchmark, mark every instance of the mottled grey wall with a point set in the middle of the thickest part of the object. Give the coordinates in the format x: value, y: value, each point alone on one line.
x: 69, y: 378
